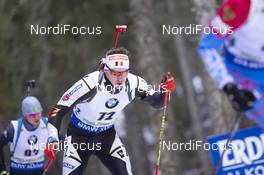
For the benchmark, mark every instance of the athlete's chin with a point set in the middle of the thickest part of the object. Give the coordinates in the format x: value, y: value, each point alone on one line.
x: 37, y: 122
x: 119, y: 83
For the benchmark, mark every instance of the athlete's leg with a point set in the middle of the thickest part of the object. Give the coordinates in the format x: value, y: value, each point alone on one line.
x: 76, y: 156
x: 114, y: 156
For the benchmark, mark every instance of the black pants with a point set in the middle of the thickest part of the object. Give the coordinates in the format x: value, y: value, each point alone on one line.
x: 80, y: 145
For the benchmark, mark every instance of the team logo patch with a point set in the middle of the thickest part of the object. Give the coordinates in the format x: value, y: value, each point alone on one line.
x: 111, y: 103
x: 119, y: 63
x: 67, y: 96
x: 32, y: 140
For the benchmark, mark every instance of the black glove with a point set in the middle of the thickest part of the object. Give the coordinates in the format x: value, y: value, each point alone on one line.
x: 240, y: 99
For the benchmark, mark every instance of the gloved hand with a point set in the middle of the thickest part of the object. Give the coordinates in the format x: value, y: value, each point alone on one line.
x: 51, y: 148
x: 241, y: 99
x: 4, y: 173
x: 167, y: 83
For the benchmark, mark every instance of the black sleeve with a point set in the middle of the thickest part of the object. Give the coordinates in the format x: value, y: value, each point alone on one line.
x: 6, y: 137
x: 58, y: 111
x: 156, y: 100
x: 56, y: 115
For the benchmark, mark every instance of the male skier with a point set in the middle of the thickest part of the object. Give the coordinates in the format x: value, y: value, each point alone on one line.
x: 233, y: 54
x: 96, y: 101
x: 27, y: 138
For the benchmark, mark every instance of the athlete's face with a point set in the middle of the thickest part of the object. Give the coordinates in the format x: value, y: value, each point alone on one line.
x: 34, y: 118
x: 116, y: 76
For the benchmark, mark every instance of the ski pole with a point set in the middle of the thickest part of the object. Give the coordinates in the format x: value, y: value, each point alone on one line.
x: 47, y: 166
x: 161, y: 135
x: 118, y: 29
x: 52, y: 158
x: 230, y: 138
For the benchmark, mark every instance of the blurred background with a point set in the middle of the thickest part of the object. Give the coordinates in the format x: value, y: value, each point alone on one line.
x: 196, y: 111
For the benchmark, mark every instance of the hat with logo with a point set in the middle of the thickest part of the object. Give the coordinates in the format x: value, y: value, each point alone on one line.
x: 31, y: 105
x: 117, y: 61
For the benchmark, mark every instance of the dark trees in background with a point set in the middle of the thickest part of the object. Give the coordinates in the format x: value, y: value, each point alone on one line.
x: 57, y: 61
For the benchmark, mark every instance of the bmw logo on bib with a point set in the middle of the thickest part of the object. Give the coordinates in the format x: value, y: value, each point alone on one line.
x: 111, y: 103
x: 32, y: 140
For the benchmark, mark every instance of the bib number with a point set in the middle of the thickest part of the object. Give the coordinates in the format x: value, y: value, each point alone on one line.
x: 106, y: 116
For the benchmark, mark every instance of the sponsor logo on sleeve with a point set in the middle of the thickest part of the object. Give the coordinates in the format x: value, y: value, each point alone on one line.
x: 67, y: 96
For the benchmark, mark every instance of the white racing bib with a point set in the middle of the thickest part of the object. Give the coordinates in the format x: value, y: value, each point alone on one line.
x: 104, y: 108
x: 29, y: 151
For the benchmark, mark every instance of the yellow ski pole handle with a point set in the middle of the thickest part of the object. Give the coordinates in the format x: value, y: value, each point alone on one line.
x: 161, y: 138
x: 162, y: 127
